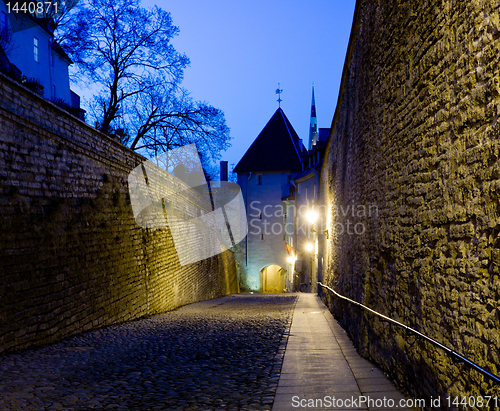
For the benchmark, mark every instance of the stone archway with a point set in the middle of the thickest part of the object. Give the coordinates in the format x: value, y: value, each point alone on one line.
x: 272, y: 279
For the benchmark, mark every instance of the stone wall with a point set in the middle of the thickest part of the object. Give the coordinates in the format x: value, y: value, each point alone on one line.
x: 416, y: 136
x: 72, y: 257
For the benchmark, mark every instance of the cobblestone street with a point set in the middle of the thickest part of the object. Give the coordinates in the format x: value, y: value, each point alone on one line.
x: 219, y: 354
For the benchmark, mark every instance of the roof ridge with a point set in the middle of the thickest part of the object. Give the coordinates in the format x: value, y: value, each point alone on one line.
x: 287, y: 129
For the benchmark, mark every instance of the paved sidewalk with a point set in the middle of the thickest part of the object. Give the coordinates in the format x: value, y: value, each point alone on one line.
x: 320, y: 363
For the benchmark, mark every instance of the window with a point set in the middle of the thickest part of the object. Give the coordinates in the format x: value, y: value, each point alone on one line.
x: 51, y: 59
x: 259, y: 179
x: 262, y: 236
x: 35, y: 49
x: 53, y: 90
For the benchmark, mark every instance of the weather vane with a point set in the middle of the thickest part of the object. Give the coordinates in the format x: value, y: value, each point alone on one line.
x: 278, y: 92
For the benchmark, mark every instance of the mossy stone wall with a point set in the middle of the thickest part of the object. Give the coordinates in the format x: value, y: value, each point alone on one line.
x: 72, y: 257
x: 416, y: 135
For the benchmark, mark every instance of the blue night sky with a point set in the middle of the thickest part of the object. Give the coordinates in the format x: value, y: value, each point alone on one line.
x: 240, y: 50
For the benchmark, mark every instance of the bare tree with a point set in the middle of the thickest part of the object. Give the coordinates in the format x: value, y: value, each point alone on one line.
x: 127, y: 50
x: 6, y: 38
x: 165, y: 117
x: 60, y: 12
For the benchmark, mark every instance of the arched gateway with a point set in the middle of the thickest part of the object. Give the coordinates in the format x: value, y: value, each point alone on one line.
x: 272, y: 279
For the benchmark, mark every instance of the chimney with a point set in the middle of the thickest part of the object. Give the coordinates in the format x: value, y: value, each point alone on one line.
x: 223, y: 171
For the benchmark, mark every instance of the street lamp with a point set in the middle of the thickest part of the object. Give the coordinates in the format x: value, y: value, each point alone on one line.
x: 312, y: 216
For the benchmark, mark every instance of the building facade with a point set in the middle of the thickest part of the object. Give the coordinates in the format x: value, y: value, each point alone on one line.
x: 266, y: 169
x: 307, y: 217
x: 31, y: 48
x: 279, y: 179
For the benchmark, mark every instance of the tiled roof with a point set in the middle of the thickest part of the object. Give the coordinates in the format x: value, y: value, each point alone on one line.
x: 276, y: 148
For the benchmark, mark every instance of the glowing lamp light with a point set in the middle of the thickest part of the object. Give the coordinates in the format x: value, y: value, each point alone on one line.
x: 309, y: 247
x: 312, y: 216
x: 291, y: 259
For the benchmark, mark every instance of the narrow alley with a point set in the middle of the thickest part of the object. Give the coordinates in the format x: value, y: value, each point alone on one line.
x: 221, y: 354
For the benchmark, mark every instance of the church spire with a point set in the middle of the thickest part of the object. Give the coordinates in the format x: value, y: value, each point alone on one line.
x: 313, y: 129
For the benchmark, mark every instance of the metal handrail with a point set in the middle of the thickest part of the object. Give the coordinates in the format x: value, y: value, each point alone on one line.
x: 449, y: 351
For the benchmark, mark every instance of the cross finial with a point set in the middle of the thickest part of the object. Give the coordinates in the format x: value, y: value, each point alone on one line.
x: 278, y: 92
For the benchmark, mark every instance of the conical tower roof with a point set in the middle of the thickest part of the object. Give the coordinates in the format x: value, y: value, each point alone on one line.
x: 313, y: 128
x: 276, y: 148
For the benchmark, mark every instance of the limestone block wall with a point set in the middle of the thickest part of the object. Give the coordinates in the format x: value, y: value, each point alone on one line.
x: 416, y: 136
x: 72, y: 257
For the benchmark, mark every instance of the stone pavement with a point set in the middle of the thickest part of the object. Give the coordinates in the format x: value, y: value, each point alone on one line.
x: 221, y: 354
x: 322, y: 370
